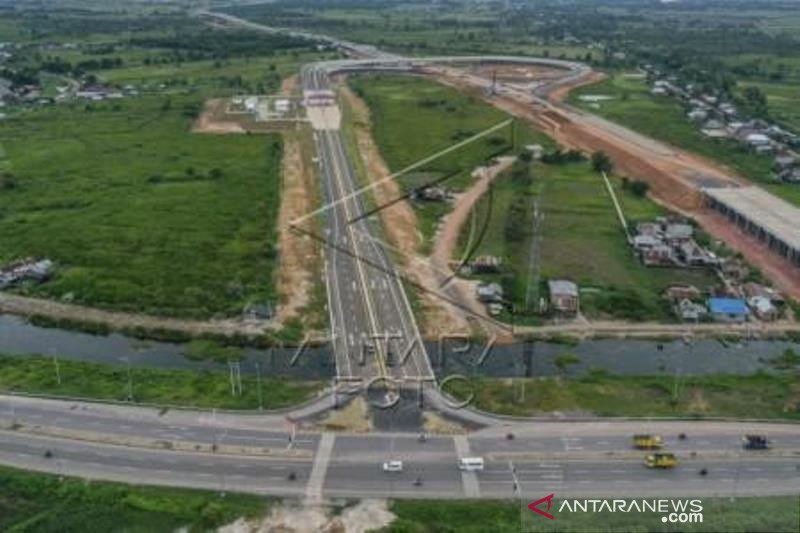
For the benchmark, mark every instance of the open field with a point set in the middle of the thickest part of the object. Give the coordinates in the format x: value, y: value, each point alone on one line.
x: 41, y: 503
x: 663, y: 118
x: 777, y: 514
x: 602, y: 394
x: 138, y: 213
x: 579, y: 223
x: 207, y: 389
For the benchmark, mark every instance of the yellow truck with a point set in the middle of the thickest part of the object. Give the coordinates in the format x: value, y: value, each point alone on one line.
x: 647, y: 442
x: 661, y: 460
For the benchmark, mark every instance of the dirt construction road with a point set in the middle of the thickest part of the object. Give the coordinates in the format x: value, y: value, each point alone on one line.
x: 675, y: 176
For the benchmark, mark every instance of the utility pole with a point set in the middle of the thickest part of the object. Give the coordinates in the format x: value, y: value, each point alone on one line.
x: 258, y: 383
x: 56, y: 366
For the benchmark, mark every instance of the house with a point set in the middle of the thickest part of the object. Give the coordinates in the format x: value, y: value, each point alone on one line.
x: 283, y: 105
x: 763, y: 308
x: 563, y: 296
x: 645, y: 242
x: 690, y: 311
x: 734, y: 269
x: 648, y: 228
x: 486, y: 264
x: 757, y: 139
x: 677, y: 232
x: 26, y: 270
x: 697, y: 115
x: 693, y: 255
x: 490, y: 292
x: 536, y: 150
x: 658, y: 255
x: 728, y: 309
x: 677, y: 293
x: 431, y: 193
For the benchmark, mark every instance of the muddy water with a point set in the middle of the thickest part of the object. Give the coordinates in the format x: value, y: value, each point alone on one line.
x: 631, y: 357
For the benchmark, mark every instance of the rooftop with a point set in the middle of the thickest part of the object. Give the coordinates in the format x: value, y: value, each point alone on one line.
x: 728, y: 306
x: 774, y: 215
x: 562, y: 287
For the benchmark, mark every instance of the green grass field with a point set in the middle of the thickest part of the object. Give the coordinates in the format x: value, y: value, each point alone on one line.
x: 414, y: 118
x: 775, y: 514
x: 579, y: 222
x: 139, y: 213
x: 206, y: 389
x: 601, y: 394
x: 43, y: 503
x: 663, y: 118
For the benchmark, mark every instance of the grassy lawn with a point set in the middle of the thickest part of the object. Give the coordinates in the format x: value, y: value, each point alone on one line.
x: 207, y: 389
x: 139, y: 213
x: 42, y: 503
x: 601, y: 394
x: 579, y: 222
x: 775, y: 514
x: 663, y: 118
x: 413, y: 118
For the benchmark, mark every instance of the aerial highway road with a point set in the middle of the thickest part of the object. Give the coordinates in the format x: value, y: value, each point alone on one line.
x: 374, y: 331
x: 260, y: 453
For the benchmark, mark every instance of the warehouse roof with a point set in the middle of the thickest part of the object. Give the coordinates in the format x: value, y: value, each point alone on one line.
x: 775, y: 216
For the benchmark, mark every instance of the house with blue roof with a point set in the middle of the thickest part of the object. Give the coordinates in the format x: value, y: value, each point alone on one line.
x: 728, y: 309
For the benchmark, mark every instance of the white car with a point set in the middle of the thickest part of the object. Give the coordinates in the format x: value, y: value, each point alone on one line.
x: 393, y: 466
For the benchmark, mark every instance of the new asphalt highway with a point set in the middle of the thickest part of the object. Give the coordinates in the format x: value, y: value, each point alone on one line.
x: 257, y: 453
x: 374, y: 330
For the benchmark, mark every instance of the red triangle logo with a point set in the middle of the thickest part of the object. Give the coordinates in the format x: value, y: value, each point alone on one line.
x: 534, y: 506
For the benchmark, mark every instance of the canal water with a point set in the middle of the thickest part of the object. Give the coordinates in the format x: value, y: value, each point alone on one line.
x: 628, y: 357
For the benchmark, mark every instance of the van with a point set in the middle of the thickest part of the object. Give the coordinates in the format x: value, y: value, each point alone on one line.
x: 470, y: 464
x: 393, y: 466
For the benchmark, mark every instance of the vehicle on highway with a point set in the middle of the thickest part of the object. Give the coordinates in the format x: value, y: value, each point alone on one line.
x: 661, y: 460
x: 470, y: 464
x: 393, y: 466
x: 755, y: 442
x: 648, y: 442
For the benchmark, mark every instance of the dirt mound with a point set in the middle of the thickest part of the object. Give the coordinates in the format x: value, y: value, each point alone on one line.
x: 295, y: 517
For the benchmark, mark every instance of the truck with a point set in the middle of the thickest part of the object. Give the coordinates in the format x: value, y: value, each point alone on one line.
x: 661, y: 460
x: 647, y: 442
x: 755, y: 442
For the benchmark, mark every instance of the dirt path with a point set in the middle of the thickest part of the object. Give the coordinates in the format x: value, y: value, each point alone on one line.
x: 446, y: 239
x: 212, y: 120
x: 298, y: 253
x: 23, y: 306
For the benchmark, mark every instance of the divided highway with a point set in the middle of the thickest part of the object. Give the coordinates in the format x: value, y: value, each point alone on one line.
x: 257, y: 453
x: 374, y: 329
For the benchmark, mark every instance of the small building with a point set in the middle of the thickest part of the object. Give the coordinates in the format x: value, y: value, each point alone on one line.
x: 658, y: 255
x: 676, y: 293
x: 431, y: 194
x: 693, y: 255
x: 689, y: 311
x: 678, y: 232
x: 283, y: 105
x: 645, y: 242
x: 536, y: 150
x: 763, y: 308
x: 728, y: 309
x: 563, y: 296
x: 490, y: 292
x: 486, y: 264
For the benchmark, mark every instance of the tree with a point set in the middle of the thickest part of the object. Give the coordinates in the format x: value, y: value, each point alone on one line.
x: 601, y: 162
